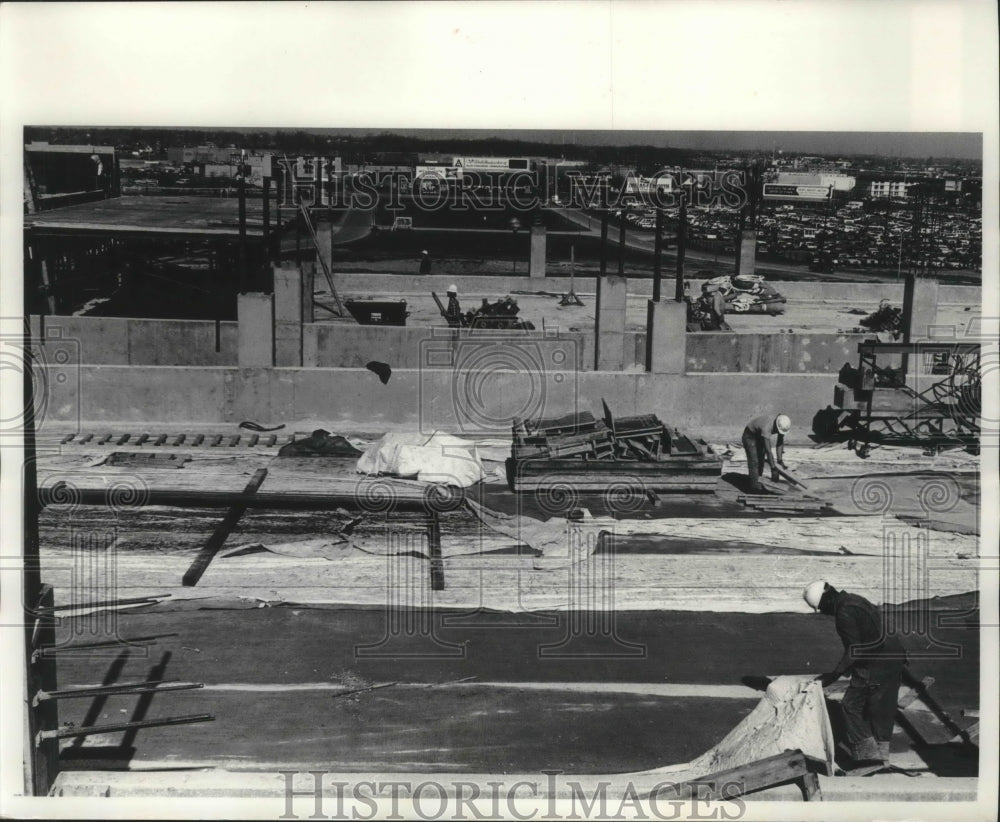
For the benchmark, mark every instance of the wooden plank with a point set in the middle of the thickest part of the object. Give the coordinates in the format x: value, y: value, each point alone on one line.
x: 434, y: 549
x: 198, y: 440
x: 70, y: 733
x: 755, y: 776
x: 782, y: 472
x: 218, y: 538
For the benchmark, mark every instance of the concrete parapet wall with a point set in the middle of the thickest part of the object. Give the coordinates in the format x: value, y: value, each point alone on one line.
x: 711, y: 351
x: 123, y: 341
x: 426, y: 399
x: 345, y: 345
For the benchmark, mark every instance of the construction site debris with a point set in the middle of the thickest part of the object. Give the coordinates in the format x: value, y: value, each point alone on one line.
x: 320, y: 443
x: 885, y: 319
x: 584, y: 453
x: 381, y: 369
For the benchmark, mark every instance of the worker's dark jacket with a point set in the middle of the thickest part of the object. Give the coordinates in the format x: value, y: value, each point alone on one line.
x: 868, y: 649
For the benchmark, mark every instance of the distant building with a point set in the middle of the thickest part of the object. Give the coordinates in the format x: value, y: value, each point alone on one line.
x: 60, y: 175
x: 837, y: 182
x: 879, y: 189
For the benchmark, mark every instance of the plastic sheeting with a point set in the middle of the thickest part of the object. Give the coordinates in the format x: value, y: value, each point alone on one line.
x: 439, y: 458
x: 792, y: 715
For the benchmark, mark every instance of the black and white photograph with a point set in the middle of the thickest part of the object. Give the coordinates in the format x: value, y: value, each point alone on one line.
x: 531, y: 410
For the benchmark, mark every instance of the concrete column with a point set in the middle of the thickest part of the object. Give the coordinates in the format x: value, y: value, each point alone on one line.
x: 536, y: 262
x: 611, y: 302
x: 666, y: 337
x: 288, y: 317
x: 920, y: 302
x: 748, y: 253
x: 255, y: 313
x: 324, y: 239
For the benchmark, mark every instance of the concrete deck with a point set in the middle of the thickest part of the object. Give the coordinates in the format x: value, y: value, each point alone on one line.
x: 178, y: 216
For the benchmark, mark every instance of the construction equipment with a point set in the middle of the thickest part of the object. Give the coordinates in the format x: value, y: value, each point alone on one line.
x: 570, y: 297
x: 501, y: 314
x: 584, y: 453
x: 880, y: 408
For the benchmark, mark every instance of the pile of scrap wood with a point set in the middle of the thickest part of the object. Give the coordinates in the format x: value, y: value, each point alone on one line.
x: 586, y: 454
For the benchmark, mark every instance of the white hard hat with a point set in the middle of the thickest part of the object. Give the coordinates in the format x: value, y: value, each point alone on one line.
x: 452, y: 289
x: 814, y: 593
x: 424, y: 251
x: 783, y: 423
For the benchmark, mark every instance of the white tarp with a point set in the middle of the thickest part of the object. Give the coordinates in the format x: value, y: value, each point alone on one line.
x: 439, y: 458
x: 792, y: 715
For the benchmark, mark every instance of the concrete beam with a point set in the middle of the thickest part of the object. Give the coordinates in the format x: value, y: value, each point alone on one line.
x: 255, y: 314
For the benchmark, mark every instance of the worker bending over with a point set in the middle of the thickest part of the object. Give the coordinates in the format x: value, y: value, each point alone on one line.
x: 875, y: 659
x: 757, y: 445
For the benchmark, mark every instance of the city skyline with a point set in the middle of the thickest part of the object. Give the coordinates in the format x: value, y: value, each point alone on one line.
x: 910, y: 145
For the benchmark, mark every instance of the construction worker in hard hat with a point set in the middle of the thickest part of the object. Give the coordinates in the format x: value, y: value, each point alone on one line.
x: 453, y: 313
x: 757, y: 445
x: 875, y: 658
x: 425, y: 262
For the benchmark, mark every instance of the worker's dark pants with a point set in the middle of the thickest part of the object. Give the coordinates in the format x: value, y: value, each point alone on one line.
x: 869, y: 703
x: 756, y: 456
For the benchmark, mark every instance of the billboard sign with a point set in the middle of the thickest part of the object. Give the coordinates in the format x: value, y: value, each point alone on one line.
x: 493, y: 163
x: 814, y: 193
x: 438, y: 173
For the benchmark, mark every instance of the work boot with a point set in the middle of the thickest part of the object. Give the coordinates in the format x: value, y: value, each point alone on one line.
x: 883, y: 750
x: 867, y: 750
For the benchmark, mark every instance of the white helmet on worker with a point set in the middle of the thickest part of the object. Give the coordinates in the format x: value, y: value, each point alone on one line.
x: 452, y: 289
x: 424, y: 251
x: 814, y: 593
x: 783, y: 423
